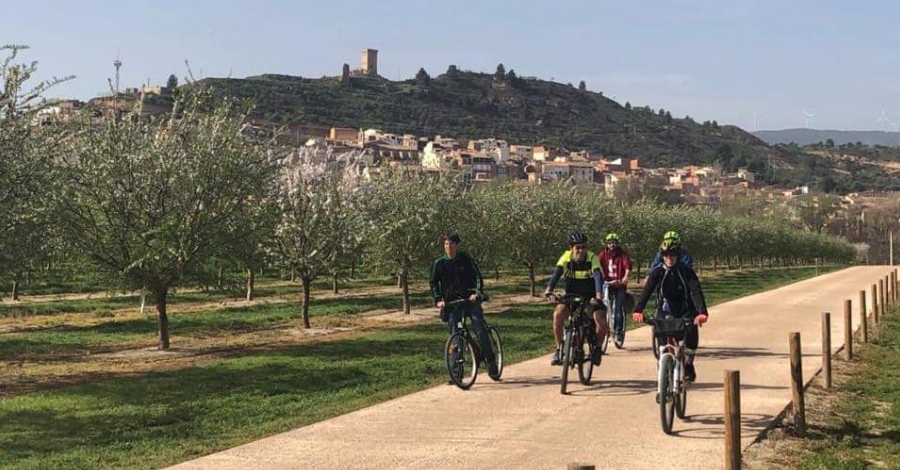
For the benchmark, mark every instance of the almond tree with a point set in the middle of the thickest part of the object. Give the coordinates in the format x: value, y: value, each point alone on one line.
x: 24, y: 165
x: 150, y: 202
x: 314, y: 200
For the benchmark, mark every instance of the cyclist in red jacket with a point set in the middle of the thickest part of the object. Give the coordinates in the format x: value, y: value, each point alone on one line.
x: 615, y: 264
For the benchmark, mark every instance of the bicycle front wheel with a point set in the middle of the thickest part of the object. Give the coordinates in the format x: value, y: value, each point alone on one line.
x: 666, y: 397
x: 610, y: 319
x: 566, y: 359
x: 681, y: 398
x: 586, y: 348
x: 462, y: 364
x: 497, y: 346
x: 654, y: 345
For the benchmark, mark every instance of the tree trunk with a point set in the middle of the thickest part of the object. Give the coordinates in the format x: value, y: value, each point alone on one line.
x: 304, y: 306
x: 530, y: 266
x: 353, y: 268
x: 496, y: 274
x: 293, y: 275
x: 219, y: 278
x: 143, y: 302
x: 404, y: 280
x: 162, y: 320
x: 334, y: 283
x: 251, y: 278
x: 15, y: 291
x: 400, y: 281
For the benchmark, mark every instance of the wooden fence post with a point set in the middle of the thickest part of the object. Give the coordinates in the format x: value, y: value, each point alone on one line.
x: 826, y: 348
x: 848, y: 329
x: 874, y: 303
x: 732, y: 420
x: 580, y: 466
x: 864, y: 316
x: 799, y: 407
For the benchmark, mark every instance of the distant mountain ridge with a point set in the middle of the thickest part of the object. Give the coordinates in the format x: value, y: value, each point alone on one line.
x: 814, y: 136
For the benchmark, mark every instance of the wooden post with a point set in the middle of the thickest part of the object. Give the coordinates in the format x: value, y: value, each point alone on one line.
x: 826, y: 348
x: 732, y: 420
x: 874, y: 303
x: 863, y: 317
x: 848, y: 329
x: 799, y: 407
x: 880, y: 299
x: 580, y: 466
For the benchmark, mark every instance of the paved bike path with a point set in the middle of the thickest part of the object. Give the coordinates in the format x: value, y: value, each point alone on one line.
x: 523, y: 421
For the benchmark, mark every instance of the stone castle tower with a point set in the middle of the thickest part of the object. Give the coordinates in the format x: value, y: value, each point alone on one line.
x: 369, y: 62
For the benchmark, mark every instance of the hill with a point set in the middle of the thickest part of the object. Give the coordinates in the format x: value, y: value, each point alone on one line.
x: 526, y: 111
x: 814, y: 136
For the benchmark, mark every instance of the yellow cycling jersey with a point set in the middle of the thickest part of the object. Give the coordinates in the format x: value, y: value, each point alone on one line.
x: 578, y: 270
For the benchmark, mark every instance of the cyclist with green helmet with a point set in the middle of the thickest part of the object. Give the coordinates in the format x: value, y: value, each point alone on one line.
x: 684, y: 258
x: 615, y: 265
x: 679, y: 295
x: 581, y: 270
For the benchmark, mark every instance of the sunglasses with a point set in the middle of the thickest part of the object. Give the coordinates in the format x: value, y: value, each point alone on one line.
x: 577, y: 247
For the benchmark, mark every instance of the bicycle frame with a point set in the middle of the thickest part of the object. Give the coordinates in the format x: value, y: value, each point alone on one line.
x: 674, y: 348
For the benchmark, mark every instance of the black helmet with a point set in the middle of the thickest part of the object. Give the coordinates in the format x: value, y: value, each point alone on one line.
x: 577, y: 238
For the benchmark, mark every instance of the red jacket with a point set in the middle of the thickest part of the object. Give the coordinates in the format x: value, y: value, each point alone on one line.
x: 613, y: 264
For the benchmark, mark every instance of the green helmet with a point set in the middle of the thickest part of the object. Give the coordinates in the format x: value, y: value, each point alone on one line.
x: 670, y: 245
x: 612, y: 236
x: 671, y: 235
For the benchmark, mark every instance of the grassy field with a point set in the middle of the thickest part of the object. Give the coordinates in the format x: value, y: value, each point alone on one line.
x: 856, y: 425
x: 155, y: 419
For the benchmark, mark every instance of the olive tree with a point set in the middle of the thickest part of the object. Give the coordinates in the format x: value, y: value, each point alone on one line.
x: 150, y: 202
x: 405, y: 215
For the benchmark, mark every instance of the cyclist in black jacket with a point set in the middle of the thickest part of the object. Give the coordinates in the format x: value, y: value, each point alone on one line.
x: 455, y: 276
x: 678, y: 295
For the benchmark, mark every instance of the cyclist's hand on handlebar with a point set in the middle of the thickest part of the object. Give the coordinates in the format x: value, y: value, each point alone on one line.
x: 548, y: 294
x: 473, y: 297
x: 637, y: 317
x: 595, y: 302
x: 699, y: 320
x: 441, y: 304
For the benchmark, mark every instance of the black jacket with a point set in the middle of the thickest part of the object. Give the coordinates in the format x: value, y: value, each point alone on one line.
x: 679, y: 286
x: 455, y: 278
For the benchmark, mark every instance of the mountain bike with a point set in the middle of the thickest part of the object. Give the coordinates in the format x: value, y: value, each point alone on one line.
x: 671, y: 387
x: 579, y: 339
x: 462, y: 353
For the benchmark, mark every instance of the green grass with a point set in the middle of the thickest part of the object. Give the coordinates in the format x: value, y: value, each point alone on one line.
x: 863, y: 431
x: 167, y: 417
x: 74, y: 340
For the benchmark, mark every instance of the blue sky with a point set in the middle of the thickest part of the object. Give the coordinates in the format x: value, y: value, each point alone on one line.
x: 722, y: 60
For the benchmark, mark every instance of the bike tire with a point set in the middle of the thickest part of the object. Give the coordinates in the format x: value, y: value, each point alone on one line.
x: 497, y: 346
x: 610, y: 319
x: 586, y: 366
x: 681, y: 398
x: 666, y: 399
x: 466, y: 363
x: 566, y: 360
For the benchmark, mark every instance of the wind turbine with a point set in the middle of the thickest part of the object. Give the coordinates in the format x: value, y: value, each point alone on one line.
x: 883, y: 120
x: 808, y: 115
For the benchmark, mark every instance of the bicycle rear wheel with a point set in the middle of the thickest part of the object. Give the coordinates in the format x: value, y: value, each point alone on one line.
x: 462, y: 364
x: 586, y: 347
x: 497, y: 346
x: 566, y: 359
x: 666, y: 398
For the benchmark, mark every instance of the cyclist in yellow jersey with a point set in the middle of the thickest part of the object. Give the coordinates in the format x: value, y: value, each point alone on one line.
x: 581, y: 270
